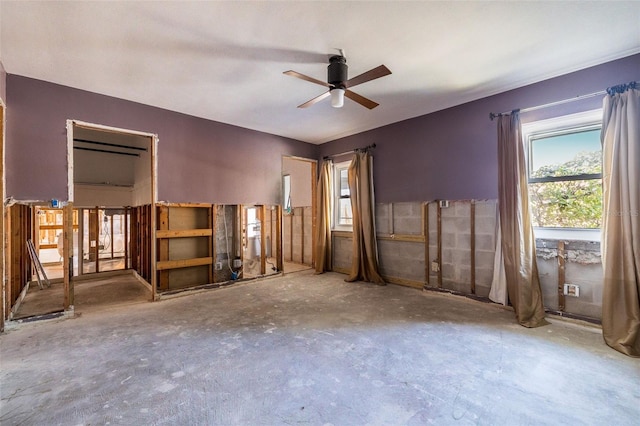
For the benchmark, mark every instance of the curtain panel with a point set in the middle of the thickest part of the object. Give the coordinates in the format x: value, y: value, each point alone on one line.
x: 518, y: 241
x: 621, y: 219
x: 364, y: 263
x: 323, y: 219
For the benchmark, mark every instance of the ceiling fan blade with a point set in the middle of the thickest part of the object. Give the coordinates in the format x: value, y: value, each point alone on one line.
x: 360, y: 99
x: 316, y: 99
x: 307, y: 78
x: 377, y: 72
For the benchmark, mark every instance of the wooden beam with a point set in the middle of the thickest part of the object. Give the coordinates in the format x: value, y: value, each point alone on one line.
x: 561, y: 276
x: 425, y: 230
x: 279, y: 254
x: 182, y: 233
x: 473, y: 245
x: 214, y: 242
x: 183, y: 263
x: 80, y: 242
x: 210, y: 248
x: 401, y: 237
x: 439, y: 211
x: 67, y: 255
x: 262, y: 211
x: 302, y: 235
x: 163, y: 246
x: 127, y: 236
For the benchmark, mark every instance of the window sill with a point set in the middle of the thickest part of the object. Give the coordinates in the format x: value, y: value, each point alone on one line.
x: 569, y: 234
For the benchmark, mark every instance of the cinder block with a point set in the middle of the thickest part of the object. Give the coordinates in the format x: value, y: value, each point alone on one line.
x: 484, y: 259
x: 463, y: 208
x: 463, y: 241
x: 448, y: 256
x: 485, y: 242
x: 407, y: 225
x: 484, y: 276
x: 382, y: 218
x: 449, y: 240
x: 462, y: 258
x: 448, y: 271
x: 485, y: 225
x: 486, y: 208
x: 412, y: 209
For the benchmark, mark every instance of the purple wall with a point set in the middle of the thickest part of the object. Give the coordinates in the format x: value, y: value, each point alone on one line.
x: 452, y: 154
x: 198, y: 160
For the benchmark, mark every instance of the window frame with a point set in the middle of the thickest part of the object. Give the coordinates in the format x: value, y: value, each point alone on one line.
x: 337, y: 168
x: 558, y: 126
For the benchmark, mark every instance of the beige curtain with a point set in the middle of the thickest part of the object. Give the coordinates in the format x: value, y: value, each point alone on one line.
x: 518, y: 242
x: 621, y: 219
x: 323, y: 219
x: 364, y: 263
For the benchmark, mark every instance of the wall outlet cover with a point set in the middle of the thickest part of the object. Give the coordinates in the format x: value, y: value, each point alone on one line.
x: 435, y: 266
x: 572, y: 290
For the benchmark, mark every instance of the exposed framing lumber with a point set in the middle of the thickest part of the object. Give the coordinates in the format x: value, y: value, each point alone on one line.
x: 2, y: 224
x: 262, y: 210
x: 279, y: 254
x: 314, y: 192
x: 410, y: 238
x: 425, y: 230
x: 127, y: 234
x: 183, y: 263
x: 302, y: 235
x: 561, y: 275
x: 472, y: 243
x: 163, y: 246
x: 81, y: 241
x: 439, y: 213
x: 182, y: 233
x: 67, y: 256
x: 214, y: 243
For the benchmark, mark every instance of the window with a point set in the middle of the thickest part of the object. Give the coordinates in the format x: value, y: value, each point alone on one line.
x: 286, y: 193
x: 342, y: 196
x: 565, y: 171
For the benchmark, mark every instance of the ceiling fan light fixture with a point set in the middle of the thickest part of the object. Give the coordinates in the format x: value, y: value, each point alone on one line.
x: 337, y: 97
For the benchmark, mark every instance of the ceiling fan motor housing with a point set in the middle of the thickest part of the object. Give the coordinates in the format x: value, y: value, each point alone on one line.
x: 337, y: 72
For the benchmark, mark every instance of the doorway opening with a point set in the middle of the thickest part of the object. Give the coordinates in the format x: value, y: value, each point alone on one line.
x: 298, y: 217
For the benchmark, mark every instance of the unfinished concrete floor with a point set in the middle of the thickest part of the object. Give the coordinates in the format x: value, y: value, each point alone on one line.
x: 91, y: 292
x: 313, y: 349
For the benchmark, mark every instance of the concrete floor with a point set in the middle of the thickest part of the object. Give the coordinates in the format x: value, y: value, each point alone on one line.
x: 92, y: 292
x: 312, y: 349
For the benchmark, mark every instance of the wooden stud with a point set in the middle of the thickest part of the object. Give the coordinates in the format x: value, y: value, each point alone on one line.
x: 302, y: 235
x: 279, y: 254
x: 263, y: 261
x: 2, y: 222
x: 67, y: 255
x: 111, y: 222
x: 291, y: 234
x: 561, y: 275
x: 163, y: 246
x: 473, y: 246
x: 425, y: 230
x: 96, y: 230
x: 214, y: 242
x: 81, y: 242
x: 439, y: 211
x: 127, y: 236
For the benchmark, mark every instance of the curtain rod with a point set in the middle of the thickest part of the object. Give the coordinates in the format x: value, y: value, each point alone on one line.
x: 493, y: 115
x: 366, y: 148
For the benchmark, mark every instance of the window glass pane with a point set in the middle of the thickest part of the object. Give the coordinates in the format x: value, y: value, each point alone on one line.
x: 566, y: 155
x: 566, y: 204
x: 344, y: 182
x: 344, y: 211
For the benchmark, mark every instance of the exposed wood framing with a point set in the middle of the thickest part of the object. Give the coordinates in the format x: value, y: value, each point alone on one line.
x: 163, y: 246
x: 279, y: 254
x: 183, y: 263
x: 439, y: 213
x: 425, y: 231
x: 183, y: 233
x: 67, y: 255
x: 262, y: 211
x: 473, y: 245
x: 403, y: 282
x: 214, y: 243
x: 561, y: 275
x: 410, y: 238
x: 81, y: 241
x: 126, y: 238
x: 302, y: 235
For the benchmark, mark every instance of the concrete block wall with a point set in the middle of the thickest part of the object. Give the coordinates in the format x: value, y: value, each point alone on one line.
x: 583, y: 267
x: 402, y: 258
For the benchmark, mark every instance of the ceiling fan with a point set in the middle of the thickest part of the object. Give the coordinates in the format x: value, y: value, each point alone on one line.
x: 339, y: 85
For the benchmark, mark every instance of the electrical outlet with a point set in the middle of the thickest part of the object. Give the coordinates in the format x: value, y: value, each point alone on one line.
x: 444, y: 204
x: 435, y: 266
x: 571, y: 290
x: 218, y: 266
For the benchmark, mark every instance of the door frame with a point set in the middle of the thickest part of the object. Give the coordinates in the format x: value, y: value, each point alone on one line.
x: 68, y: 234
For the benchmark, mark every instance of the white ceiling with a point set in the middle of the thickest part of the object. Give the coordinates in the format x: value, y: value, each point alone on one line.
x: 224, y: 60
